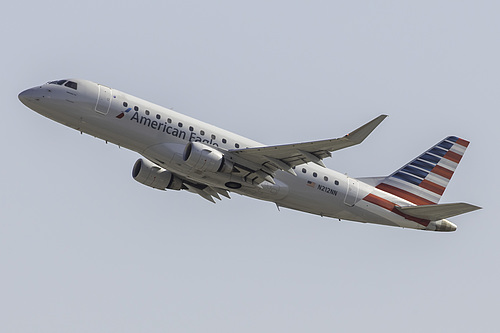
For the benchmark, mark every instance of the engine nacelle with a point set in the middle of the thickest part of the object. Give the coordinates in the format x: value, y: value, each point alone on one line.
x: 150, y: 174
x: 205, y: 158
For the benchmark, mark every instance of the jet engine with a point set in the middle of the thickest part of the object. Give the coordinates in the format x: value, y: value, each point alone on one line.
x: 150, y: 174
x: 205, y: 158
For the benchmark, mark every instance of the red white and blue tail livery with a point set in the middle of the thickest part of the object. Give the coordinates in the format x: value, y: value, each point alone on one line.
x: 423, y: 180
x: 183, y: 153
x: 414, y: 190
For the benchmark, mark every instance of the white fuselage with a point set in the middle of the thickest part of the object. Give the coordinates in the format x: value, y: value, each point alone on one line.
x: 160, y: 135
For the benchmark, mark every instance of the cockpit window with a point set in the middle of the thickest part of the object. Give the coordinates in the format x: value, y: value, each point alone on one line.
x: 71, y: 84
x: 59, y: 82
x: 66, y: 83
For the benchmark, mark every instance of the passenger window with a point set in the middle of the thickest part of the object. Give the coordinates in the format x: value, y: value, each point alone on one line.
x: 180, y: 124
x: 202, y: 132
x: 191, y: 128
x: 125, y: 104
x: 336, y: 182
x: 224, y: 141
x: 304, y: 170
x: 158, y: 116
x: 237, y: 145
x: 136, y: 108
x: 213, y: 137
x: 169, y: 120
x: 315, y: 174
x: 325, y: 178
x: 147, y: 112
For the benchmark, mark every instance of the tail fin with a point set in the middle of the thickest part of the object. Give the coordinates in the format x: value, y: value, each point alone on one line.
x: 423, y: 180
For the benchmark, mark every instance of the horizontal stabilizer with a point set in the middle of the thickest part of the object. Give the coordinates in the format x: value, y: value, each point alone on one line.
x: 438, y: 212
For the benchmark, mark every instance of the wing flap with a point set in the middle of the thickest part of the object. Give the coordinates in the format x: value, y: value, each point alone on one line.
x: 439, y: 211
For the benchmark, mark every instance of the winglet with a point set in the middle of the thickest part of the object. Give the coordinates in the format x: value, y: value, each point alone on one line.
x: 357, y: 136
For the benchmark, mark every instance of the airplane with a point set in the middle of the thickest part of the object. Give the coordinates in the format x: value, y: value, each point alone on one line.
x: 182, y: 153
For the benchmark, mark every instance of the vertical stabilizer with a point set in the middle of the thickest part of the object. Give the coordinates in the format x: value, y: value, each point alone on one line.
x: 423, y: 180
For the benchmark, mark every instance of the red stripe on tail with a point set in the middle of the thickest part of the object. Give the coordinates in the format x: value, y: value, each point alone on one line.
x: 405, y: 195
x: 392, y: 207
x: 463, y: 142
x: 432, y: 187
x: 454, y: 157
x: 443, y: 172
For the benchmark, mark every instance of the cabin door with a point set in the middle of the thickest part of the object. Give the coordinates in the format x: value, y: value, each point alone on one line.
x: 103, y: 99
x: 351, y: 196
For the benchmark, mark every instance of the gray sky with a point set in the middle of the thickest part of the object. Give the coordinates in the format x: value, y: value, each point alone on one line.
x: 85, y: 248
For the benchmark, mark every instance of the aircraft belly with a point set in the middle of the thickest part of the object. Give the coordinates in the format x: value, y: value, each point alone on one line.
x: 266, y: 191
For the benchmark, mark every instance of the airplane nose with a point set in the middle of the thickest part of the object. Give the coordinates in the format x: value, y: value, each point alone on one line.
x: 26, y: 96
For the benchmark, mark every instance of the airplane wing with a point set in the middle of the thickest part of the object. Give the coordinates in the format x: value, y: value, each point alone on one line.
x: 259, y: 164
x: 285, y: 157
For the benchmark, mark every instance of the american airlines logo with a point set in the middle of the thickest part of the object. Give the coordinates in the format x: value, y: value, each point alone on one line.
x: 167, y: 128
x: 120, y: 116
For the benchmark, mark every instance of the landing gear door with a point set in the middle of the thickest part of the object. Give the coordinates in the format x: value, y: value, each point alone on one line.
x: 103, y: 99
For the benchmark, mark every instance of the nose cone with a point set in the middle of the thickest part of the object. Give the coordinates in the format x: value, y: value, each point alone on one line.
x: 26, y: 96
x: 23, y: 95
